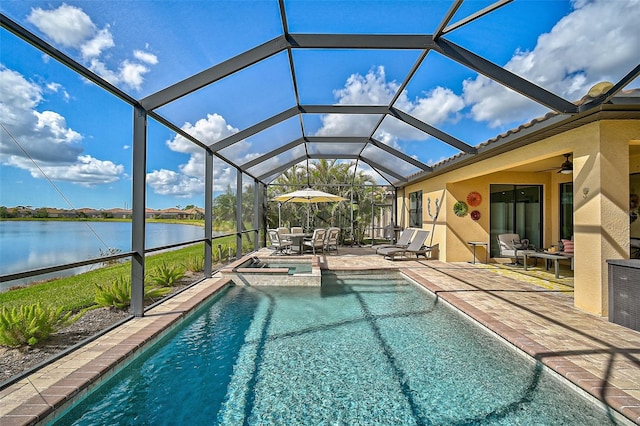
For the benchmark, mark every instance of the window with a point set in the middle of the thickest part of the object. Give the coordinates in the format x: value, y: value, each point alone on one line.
x: 566, y: 211
x: 516, y: 209
x: 415, y: 209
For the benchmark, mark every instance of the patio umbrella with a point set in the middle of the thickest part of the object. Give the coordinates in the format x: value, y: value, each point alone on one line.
x: 308, y: 196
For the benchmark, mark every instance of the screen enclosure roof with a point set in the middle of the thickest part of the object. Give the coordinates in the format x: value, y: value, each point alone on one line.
x: 387, y: 86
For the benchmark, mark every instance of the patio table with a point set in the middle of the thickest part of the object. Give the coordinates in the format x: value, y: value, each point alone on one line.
x: 297, y: 238
x: 547, y: 256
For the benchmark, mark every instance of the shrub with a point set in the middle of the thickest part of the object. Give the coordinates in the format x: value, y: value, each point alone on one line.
x: 118, y: 294
x: 194, y: 263
x: 27, y: 325
x: 166, y: 274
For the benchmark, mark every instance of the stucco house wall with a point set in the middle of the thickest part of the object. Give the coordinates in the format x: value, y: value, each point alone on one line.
x: 600, y: 154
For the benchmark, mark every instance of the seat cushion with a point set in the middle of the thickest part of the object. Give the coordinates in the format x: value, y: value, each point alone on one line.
x: 567, y: 246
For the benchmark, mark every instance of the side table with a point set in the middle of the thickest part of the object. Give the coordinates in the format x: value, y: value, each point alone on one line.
x: 479, y: 243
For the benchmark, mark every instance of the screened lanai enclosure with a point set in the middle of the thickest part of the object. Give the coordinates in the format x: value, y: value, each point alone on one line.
x: 256, y: 99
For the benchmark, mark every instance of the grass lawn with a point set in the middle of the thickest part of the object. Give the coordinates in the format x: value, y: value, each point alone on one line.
x: 77, y: 292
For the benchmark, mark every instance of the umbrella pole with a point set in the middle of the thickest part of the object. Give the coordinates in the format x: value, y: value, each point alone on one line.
x: 279, y: 206
x: 352, y: 234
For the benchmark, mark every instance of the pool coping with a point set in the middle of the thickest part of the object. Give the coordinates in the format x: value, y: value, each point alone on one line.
x: 45, y: 393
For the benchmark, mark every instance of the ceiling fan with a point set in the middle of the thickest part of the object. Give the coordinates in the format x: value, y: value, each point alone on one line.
x: 566, y: 167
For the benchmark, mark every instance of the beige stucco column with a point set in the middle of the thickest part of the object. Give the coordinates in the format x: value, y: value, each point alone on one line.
x: 601, y: 201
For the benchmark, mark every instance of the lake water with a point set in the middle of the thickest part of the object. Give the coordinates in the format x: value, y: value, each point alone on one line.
x: 27, y: 245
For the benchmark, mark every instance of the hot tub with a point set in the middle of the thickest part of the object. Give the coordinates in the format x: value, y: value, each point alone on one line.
x: 255, y: 271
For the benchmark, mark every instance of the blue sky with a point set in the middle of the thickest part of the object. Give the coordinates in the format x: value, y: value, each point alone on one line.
x: 66, y: 143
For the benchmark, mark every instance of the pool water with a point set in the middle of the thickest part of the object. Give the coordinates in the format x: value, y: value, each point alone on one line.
x: 359, y: 350
x: 294, y: 267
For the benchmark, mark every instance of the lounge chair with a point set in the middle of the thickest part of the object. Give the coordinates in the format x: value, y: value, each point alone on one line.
x: 511, y: 246
x: 416, y: 247
x: 280, y: 246
x: 403, y: 241
x: 317, y: 240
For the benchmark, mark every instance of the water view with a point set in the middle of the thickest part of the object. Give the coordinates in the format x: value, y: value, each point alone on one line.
x: 27, y: 245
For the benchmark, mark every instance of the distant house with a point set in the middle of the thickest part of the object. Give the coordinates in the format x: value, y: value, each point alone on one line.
x: 150, y: 213
x: 194, y: 213
x: 118, y: 213
x: 172, y: 213
x: 22, y: 211
x: 59, y: 213
x: 89, y: 213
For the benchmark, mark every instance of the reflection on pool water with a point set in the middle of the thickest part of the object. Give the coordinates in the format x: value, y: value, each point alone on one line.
x: 357, y: 350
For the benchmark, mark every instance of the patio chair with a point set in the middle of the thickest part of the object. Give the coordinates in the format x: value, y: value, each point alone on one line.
x: 280, y: 246
x: 510, y: 245
x: 416, y: 247
x: 403, y: 241
x: 317, y: 240
x: 297, y: 230
x: 635, y: 248
x: 331, y: 239
x: 282, y: 233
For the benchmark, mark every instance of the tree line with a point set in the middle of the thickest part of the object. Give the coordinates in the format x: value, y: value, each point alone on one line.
x: 326, y: 175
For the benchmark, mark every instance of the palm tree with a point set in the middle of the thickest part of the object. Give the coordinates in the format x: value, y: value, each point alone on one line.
x: 292, y: 179
x: 337, y: 178
x: 224, y: 210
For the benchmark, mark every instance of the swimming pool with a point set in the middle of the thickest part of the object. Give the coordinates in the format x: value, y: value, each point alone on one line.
x: 357, y: 350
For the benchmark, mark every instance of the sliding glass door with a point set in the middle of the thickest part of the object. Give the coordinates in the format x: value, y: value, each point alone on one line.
x: 516, y: 209
x: 566, y: 211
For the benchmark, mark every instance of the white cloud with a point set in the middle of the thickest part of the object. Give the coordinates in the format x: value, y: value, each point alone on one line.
x: 86, y: 170
x: 66, y: 25
x: 189, y: 179
x: 581, y: 50
x: 195, y: 166
x: 347, y: 125
x: 53, y: 127
x: 93, y: 47
x: 436, y: 107
x: 439, y: 106
x: 496, y: 105
x: 132, y: 74
x: 146, y: 57
x: 56, y: 88
x: 44, y: 137
x: 208, y: 130
x: 71, y: 27
x: 103, y: 71
x: 168, y: 182
x: 372, y: 89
